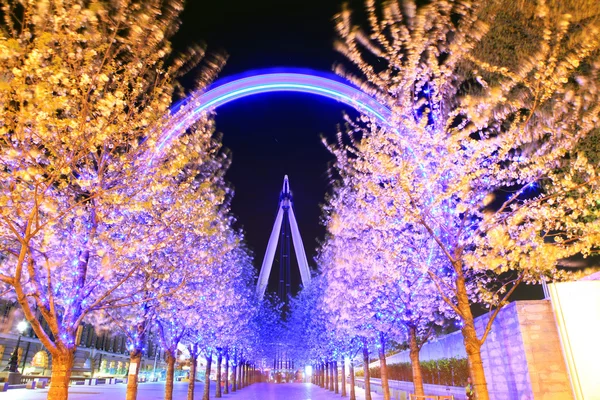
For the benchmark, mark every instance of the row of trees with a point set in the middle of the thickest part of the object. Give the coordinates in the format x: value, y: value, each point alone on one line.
x: 482, y: 180
x: 96, y: 224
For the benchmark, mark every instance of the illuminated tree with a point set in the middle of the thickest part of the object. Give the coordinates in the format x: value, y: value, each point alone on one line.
x: 267, y: 338
x: 381, y: 287
x: 176, y: 234
x: 312, y: 336
x: 234, y: 318
x: 224, y: 304
x: 84, y: 88
x: 473, y: 150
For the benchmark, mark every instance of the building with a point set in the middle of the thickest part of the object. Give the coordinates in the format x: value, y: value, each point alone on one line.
x: 99, y: 353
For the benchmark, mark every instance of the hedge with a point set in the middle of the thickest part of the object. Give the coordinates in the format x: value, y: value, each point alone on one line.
x: 445, y: 371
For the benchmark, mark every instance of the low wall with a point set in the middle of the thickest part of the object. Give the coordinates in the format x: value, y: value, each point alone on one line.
x: 522, y: 355
x: 399, y: 390
x: 447, y: 346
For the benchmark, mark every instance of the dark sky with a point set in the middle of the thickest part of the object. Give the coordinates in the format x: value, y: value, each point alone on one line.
x: 272, y: 135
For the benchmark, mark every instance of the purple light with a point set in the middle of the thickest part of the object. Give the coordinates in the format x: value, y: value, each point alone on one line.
x: 199, y: 104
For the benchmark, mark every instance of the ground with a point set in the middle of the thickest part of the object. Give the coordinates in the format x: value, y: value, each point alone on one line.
x: 155, y: 391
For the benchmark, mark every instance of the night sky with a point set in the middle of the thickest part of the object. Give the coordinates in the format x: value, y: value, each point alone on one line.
x: 272, y: 135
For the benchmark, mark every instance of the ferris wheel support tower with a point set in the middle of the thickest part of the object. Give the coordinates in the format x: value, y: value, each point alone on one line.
x: 285, y: 223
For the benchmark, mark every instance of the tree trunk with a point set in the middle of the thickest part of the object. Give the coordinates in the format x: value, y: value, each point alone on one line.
x: 240, y: 383
x: 415, y: 362
x: 343, y: 377
x: 331, y: 376
x: 323, y: 376
x: 470, y: 339
x: 170, y: 375
x: 336, y: 377
x: 385, y: 385
x: 226, y: 373
x: 206, y: 395
x: 319, y: 378
x: 352, y: 383
x: 367, y: 372
x: 241, y: 376
x: 326, y: 371
x: 473, y: 349
x: 219, y: 361
x: 62, y: 365
x: 233, y: 384
x: 135, y: 358
x: 192, y: 383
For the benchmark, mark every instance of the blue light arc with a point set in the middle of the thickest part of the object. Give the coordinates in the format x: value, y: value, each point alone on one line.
x: 199, y: 103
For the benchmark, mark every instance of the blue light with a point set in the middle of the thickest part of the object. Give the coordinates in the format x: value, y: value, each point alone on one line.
x: 313, y: 83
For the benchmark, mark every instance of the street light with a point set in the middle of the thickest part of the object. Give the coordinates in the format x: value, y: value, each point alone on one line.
x: 13, y: 362
x: 22, y: 326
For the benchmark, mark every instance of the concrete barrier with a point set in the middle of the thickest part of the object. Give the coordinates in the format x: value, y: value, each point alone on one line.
x: 405, y: 388
x: 30, y: 385
x: 398, y: 394
x: 40, y: 383
x: 3, y: 386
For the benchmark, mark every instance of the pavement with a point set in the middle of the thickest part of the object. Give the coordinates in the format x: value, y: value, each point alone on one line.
x: 155, y: 391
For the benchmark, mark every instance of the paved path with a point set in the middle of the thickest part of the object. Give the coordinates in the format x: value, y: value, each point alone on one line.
x: 155, y: 391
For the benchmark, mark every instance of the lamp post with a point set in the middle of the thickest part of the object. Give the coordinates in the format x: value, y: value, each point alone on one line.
x: 13, y: 362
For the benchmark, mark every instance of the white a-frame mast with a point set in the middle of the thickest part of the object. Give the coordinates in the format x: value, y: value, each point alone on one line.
x: 285, y: 210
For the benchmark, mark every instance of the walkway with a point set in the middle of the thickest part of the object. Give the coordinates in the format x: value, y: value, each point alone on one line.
x: 155, y: 391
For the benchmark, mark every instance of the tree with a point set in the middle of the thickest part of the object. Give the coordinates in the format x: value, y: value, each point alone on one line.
x: 316, y: 338
x: 387, y: 267
x: 267, y: 339
x: 472, y: 149
x: 84, y: 91
x: 225, y: 302
x: 185, y: 203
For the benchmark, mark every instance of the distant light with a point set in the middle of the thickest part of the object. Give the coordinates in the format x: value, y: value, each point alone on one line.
x: 22, y: 326
x: 308, y: 370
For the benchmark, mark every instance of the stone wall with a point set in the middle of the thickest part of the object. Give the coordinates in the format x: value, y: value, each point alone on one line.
x: 522, y: 355
x: 504, y: 357
x: 447, y: 346
x: 545, y: 360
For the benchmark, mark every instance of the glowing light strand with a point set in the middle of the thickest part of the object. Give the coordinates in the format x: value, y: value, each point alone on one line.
x: 199, y: 104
